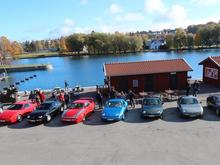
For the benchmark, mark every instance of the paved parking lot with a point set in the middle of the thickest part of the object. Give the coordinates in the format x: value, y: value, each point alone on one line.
x: 134, y: 141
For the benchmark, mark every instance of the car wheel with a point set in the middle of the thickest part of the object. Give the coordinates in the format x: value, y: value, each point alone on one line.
x: 217, y: 112
x: 48, y: 118
x: 61, y: 109
x: 19, y: 118
x: 123, y: 117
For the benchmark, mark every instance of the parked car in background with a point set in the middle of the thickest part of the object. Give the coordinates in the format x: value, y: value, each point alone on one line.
x: 152, y: 107
x: 79, y: 110
x: 114, y: 110
x: 17, y: 111
x: 213, y: 102
x: 189, y: 106
x: 46, y: 111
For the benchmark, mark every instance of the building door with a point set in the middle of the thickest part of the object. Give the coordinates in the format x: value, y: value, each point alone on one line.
x: 173, y: 81
x: 123, y: 84
x: 149, y: 83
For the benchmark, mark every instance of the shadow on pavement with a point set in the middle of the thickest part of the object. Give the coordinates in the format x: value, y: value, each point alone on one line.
x: 210, y: 115
x: 56, y: 122
x: 22, y: 125
x: 134, y: 116
x: 95, y: 119
x: 172, y: 115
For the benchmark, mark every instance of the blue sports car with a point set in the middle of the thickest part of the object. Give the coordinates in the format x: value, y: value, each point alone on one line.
x: 114, y: 110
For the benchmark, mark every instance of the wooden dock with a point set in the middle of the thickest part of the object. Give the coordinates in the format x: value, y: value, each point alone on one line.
x: 20, y: 68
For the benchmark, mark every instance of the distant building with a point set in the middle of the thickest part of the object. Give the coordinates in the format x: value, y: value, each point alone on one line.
x: 156, y: 75
x: 155, y: 43
x: 211, y: 70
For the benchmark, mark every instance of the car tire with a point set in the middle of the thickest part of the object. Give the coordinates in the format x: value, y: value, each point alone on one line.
x: 217, y: 112
x: 48, y: 118
x: 62, y: 109
x: 123, y: 117
x: 19, y: 118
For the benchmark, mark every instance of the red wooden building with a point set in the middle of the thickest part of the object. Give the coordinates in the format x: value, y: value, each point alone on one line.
x: 211, y: 70
x: 156, y: 75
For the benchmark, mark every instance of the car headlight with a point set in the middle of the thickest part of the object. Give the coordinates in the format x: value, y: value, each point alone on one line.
x: 144, y: 111
x: 40, y: 117
x: 103, y: 114
x: 28, y: 117
x: 183, y: 110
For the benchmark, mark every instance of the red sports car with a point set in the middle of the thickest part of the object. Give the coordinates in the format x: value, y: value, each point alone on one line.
x: 17, y: 111
x: 79, y: 110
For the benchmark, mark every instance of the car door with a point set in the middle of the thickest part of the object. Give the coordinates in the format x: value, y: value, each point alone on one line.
x: 87, y: 108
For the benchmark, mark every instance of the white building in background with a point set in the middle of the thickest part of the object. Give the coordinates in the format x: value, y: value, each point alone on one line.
x: 155, y: 43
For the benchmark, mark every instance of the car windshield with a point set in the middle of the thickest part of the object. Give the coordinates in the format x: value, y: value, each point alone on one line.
x: 189, y: 101
x: 151, y: 102
x: 217, y: 99
x: 77, y: 105
x: 15, y: 107
x: 44, y: 106
x: 113, y: 104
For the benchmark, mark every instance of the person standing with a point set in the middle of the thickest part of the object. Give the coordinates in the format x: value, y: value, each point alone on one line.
x: 195, y: 88
x: 131, y: 96
x: 66, y: 85
x: 112, y: 94
x: 99, y: 98
x: 66, y: 98
x: 188, y: 87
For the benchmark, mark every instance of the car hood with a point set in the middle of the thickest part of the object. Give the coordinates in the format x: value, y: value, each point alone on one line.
x: 72, y: 112
x: 6, y: 114
x: 152, y: 108
x: 113, y: 110
x: 38, y: 113
x: 191, y: 108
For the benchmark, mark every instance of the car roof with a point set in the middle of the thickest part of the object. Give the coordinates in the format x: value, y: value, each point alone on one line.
x: 153, y: 97
x: 187, y: 97
x: 216, y: 95
x: 116, y: 100
x: 80, y: 101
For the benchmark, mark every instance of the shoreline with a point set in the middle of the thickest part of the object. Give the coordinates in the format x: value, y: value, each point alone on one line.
x: 74, y: 54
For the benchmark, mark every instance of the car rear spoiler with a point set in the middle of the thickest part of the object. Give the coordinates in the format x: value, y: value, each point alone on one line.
x: 86, y: 98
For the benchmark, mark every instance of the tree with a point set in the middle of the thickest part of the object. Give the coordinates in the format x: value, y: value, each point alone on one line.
x: 136, y: 43
x: 197, y: 40
x: 63, y: 47
x: 180, y: 38
x: 75, y: 42
x: 16, y: 48
x: 169, y: 40
x: 190, y: 41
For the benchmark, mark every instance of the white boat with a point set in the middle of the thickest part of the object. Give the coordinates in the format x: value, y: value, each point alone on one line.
x: 3, y: 77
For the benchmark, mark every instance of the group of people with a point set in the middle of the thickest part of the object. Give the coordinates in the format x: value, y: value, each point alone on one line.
x: 195, y: 88
x: 115, y: 94
x: 37, y: 96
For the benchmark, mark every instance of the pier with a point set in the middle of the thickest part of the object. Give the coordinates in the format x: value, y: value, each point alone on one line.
x: 19, y: 68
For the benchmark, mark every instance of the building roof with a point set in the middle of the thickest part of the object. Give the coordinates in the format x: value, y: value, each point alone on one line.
x: 215, y: 59
x: 146, y: 67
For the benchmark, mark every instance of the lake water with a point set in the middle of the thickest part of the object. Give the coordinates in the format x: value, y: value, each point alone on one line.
x: 88, y: 71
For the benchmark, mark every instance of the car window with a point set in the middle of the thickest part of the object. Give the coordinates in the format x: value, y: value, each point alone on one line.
x: 16, y: 107
x: 151, y: 102
x: 113, y: 104
x: 44, y: 106
x: 76, y: 105
x: 26, y: 106
x: 217, y: 99
x: 86, y: 104
x: 188, y: 101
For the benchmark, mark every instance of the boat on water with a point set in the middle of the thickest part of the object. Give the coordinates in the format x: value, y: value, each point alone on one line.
x: 3, y: 76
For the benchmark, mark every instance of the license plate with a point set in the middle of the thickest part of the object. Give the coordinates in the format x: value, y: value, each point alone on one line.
x: 67, y: 119
x: 151, y: 115
x: 110, y: 119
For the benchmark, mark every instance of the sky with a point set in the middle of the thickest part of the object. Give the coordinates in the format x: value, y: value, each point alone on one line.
x: 47, y: 19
